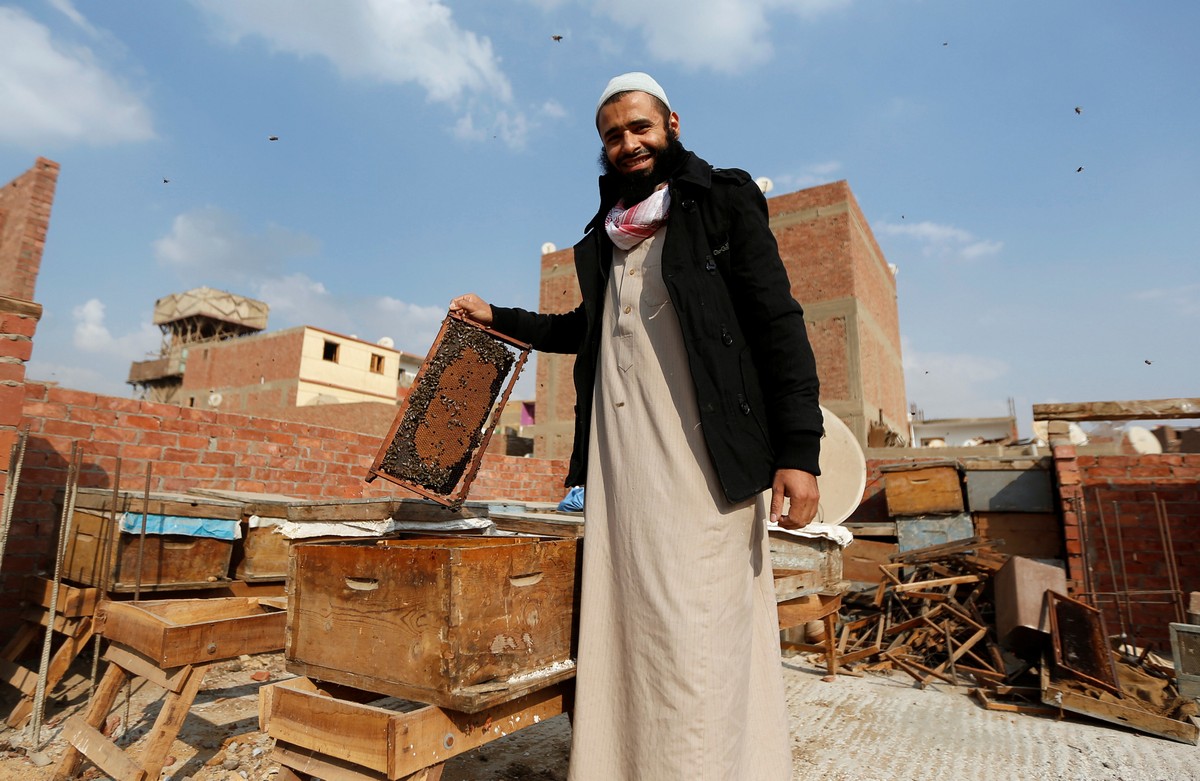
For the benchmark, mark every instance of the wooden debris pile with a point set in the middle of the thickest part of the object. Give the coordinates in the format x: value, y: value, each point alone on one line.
x: 932, y: 617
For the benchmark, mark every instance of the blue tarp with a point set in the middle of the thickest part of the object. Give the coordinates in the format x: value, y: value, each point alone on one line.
x: 216, y: 528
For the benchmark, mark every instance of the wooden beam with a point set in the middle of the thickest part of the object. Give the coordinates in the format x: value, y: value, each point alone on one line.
x: 1149, y: 409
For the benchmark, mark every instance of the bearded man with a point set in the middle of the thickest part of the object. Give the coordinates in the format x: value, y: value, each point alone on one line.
x: 696, y: 393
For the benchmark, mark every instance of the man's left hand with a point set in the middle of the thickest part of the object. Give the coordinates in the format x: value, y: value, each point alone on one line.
x: 801, y: 489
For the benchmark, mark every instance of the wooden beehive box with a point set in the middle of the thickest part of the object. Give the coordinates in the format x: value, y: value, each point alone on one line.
x: 175, y: 632
x: 923, y: 488
x: 262, y: 554
x: 451, y: 621
x: 100, y: 554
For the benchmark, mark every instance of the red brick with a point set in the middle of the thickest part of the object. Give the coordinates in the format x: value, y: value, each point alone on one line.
x: 145, y: 422
x: 66, y: 428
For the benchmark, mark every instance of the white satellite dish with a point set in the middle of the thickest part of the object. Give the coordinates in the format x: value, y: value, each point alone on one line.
x: 1143, y: 441
x: 214, y: 399
x: 764, y: 184
x: 843, y: 472
x: 548, y: 247
x: 386, y: 341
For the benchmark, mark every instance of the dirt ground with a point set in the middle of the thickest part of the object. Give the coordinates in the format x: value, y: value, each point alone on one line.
x: 873, y: 728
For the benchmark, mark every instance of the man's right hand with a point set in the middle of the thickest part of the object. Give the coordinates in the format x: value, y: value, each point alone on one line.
x: 473, y: 307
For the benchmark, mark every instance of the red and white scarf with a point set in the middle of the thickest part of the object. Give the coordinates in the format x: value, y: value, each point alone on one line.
x: 629, y: 227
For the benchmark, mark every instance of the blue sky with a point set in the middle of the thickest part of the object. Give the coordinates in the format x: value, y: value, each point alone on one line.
x: 430, y: 148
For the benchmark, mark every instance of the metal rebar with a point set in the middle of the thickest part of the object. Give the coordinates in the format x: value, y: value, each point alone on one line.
x: 1112, y: 568
x: 1164, y: 531
x: 137, y: 583
x: 108, y: 527
x: 1124, y: 572
x: 12, y: 480
x: 1085, y: 540
x: 64, y: 531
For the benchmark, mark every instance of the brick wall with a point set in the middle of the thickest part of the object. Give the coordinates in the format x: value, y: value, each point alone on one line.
x: 1125, y: 547
x: 24, y: 219
x: 191, y: 448
x: 18, y: 321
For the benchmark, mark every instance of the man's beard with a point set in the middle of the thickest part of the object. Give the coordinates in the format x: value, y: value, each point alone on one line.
x: 636, y: 187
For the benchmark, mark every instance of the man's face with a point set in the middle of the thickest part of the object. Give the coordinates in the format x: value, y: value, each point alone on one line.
x: 635, y: 134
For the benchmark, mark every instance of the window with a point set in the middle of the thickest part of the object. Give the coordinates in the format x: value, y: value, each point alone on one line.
x: 376, y: 364
x: 331, y: 351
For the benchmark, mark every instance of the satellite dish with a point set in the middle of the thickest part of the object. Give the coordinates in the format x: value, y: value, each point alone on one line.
x: 892, y: 267
x: 387, y: 342
x: 843, y: 472
x: 764, y: 184
x: 1143, y: 441
x: 548, y: 247
x: 214, y: 399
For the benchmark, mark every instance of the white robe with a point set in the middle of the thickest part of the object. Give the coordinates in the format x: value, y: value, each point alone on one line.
x: 679, y: 671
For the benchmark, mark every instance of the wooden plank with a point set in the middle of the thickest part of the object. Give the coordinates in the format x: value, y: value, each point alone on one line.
x: 430, y: 736
x: 936, y: 583
x: 170, y: 719
x: 1054, y: 693
x: 542, y: 524
x: 325, y: 768
x: 870, y: 529
x: 101, y: 752
x: 161, y: 503
x: 1147, y: 409
x: 143, y: 667
x: 97, y: 711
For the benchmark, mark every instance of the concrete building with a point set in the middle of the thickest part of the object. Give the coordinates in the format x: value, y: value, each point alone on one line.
x: 847, y: 289
x: 217, y: 355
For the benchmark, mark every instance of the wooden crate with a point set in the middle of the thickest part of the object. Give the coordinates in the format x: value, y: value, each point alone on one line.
x: 169, y: 561
x: 444, y: 620
x: 176, y: 632
x: 921, y: 490
x: 261, y: 555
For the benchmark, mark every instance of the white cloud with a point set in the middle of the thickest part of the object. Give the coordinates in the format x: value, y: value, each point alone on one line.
x: 391, y: 41
x: 1183, y: 300
x: 54, y: 92
x: 209, y: 245
x: 729, y: 36
x: 950, y: 385
x: 297, y: 299
x: 91, y: 334
x: 941, y: 241
x: 809, y: 176
x: 68, y: 9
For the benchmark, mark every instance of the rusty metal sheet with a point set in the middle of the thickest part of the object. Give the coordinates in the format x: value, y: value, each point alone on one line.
x: 443, y: 427
x: 1080, y: 642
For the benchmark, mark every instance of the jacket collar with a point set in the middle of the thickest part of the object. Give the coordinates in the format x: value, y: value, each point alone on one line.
x: 691, y: 172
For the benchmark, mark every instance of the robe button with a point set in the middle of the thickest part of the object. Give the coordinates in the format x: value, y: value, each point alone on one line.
x: 710, y: 265
x: 688, y: 205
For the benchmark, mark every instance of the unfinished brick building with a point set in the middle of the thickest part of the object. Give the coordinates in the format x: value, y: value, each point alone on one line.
x: 840, y: 277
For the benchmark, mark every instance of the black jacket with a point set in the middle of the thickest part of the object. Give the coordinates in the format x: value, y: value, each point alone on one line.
x: 748, y: 350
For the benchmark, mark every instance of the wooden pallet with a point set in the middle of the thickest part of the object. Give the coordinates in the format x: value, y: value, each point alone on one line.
x: 342, y: 734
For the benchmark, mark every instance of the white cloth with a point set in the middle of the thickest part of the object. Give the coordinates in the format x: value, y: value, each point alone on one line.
x: 679, y: 671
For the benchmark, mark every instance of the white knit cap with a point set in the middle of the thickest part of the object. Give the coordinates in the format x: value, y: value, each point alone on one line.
x: 635, y: 81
